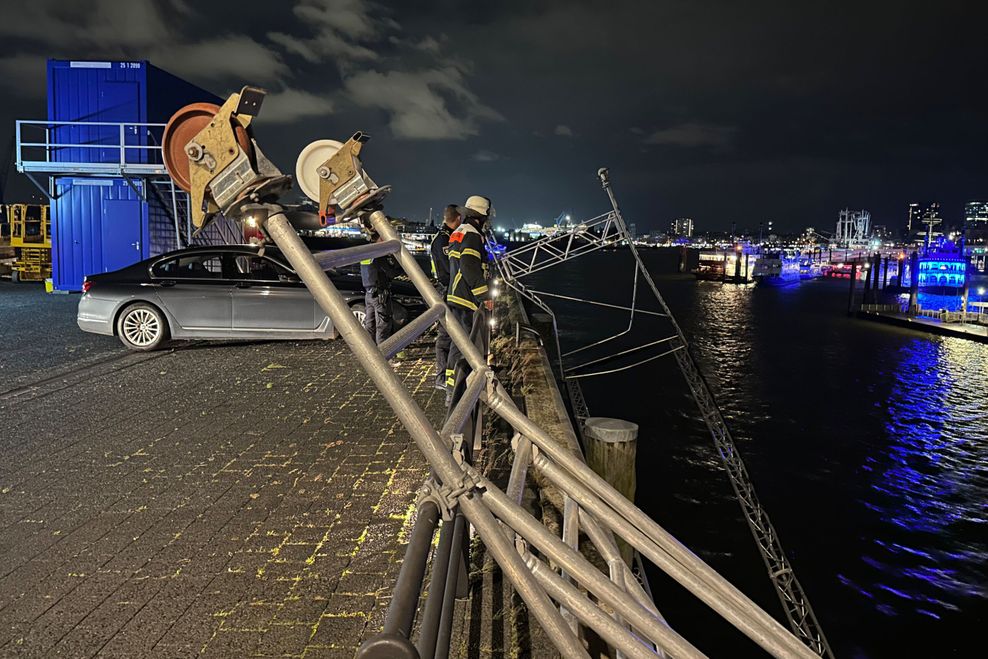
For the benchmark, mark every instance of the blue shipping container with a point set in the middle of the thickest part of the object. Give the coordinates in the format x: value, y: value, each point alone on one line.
x: 101, y: 224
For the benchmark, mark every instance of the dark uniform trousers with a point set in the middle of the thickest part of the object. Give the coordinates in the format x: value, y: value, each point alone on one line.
x: 473, y: 322
x: 442, y: 346
x: 377, y: 313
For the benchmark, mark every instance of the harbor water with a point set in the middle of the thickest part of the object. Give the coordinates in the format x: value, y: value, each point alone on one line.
x: 868, y: 446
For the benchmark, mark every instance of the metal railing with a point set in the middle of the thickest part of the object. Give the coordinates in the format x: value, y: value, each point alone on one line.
x: 609, y: 230
x: 617, y: 613
x: 89, y: 148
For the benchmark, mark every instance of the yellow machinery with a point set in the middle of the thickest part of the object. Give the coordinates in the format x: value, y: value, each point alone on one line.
x: 30, y: 238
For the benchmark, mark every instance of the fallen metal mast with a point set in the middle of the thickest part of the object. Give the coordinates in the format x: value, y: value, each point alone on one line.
x: 610, y: 230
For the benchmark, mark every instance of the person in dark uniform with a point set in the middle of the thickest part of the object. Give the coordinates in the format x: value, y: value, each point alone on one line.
x: 439, y: 255
x: 377, y: 275
x: 468, y: 296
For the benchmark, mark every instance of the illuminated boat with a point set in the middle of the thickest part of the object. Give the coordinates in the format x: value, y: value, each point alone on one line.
x: 776, y: 269
x: 734, y: 266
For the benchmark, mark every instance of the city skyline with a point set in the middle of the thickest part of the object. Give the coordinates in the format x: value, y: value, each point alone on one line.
x: 523, y: 102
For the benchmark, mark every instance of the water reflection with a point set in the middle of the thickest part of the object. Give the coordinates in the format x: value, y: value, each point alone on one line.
x: 930, y: 482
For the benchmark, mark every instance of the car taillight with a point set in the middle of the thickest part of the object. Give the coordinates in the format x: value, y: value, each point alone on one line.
x: 86, y: 285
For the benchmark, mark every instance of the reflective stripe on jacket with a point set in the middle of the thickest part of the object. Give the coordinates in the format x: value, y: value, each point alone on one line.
x: 467, y: 267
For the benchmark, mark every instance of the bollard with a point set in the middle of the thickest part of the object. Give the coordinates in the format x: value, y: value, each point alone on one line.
x: 611, y: 449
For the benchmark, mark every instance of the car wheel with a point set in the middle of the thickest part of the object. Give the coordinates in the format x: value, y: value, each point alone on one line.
x: 142, y: 327
x: 359, y: 311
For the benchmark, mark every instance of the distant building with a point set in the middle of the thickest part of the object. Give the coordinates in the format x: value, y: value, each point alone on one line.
x: 920, y: 215
x: 976, y: 214
x: 682, y: 226
x: 881, y: 232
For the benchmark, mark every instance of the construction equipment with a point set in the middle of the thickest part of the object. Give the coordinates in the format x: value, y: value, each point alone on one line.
x: 458, y: 491
x: 210, y: 153
x: 30, y: 238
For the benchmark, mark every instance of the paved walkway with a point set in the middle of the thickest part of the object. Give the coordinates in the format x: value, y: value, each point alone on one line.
x: 219, y: 500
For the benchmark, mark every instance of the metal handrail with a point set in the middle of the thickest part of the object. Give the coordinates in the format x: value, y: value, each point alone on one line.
x: 559, y: 248
x: 464, y: 491
x: 104, y: 141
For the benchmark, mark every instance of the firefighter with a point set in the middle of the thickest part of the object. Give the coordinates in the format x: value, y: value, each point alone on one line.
x: 439, y: 254
x: 468, y: 296
x: 376, y: 275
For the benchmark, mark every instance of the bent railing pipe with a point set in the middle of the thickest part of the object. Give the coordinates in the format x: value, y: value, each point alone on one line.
x: 412, y: 416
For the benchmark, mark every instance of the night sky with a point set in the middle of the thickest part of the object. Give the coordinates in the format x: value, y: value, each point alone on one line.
x: 723, y: 111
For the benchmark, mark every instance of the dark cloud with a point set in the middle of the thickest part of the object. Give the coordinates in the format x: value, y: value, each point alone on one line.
x: 718, y: 110
x: 692, y: 135
x: 485, y: 156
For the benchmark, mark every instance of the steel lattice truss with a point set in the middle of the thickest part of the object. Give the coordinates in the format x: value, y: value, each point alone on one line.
x: 609, y: 230
x: 590, y: 236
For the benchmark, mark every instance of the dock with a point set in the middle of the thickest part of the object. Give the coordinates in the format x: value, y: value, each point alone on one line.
x: 968, y: 331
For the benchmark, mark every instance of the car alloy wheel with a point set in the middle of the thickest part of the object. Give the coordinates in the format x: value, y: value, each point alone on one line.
x: 358, y: 312
x: 142, y: 327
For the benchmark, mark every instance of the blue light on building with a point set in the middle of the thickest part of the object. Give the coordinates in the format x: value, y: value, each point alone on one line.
x: 948, y: 272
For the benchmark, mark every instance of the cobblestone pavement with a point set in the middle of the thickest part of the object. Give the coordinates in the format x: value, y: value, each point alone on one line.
x: 39, y: 336
x: 216, y: 500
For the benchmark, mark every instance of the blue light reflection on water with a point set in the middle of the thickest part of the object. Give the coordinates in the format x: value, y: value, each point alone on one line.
x: 929, y: 481
x: 868, y: 445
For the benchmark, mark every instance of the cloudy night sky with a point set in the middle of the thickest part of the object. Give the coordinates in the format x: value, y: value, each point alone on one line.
x: 723, y: 111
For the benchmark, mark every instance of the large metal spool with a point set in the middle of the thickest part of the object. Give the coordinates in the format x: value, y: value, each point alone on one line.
x: 183, y: 126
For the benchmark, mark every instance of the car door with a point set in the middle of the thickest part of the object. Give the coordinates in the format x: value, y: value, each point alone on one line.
x: 270, y: 297
x: 194, y: 291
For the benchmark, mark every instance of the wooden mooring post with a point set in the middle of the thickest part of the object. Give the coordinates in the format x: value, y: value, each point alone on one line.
x: 611, y: 447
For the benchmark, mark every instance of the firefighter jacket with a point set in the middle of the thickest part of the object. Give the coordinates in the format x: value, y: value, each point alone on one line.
x: 378, y: 273
x: 468, y: 263
x: 439, y: 255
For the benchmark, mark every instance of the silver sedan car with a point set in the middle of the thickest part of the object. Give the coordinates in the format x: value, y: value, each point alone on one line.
x: 233, y: 291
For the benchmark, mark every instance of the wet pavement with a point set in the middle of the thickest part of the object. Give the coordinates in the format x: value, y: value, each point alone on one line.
x: 227, y: 500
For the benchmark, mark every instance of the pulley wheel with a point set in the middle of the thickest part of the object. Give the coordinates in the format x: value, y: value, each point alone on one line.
x: 309, y: 161
x: 181, y: 129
